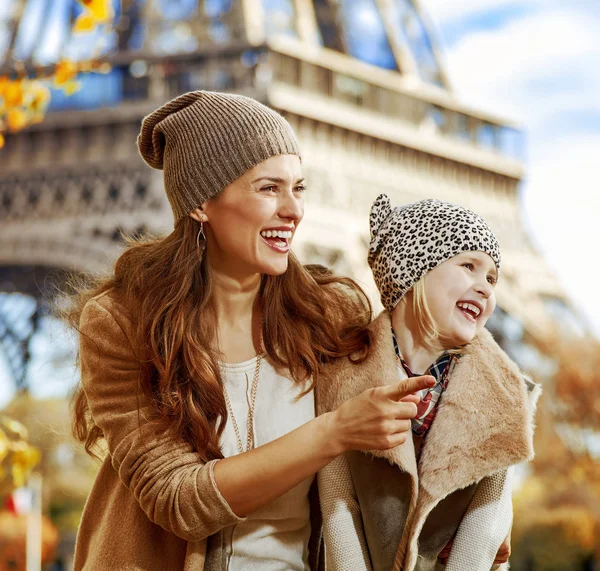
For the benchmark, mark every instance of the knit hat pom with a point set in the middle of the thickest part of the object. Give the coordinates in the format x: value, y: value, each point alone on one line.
x: 380, y: 210
x: 151, y: 140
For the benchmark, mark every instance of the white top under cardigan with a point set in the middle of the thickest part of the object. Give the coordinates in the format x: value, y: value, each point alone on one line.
x: 274, y: 537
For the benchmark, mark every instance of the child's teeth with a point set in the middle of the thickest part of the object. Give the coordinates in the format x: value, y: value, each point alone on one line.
x: 470, y: 307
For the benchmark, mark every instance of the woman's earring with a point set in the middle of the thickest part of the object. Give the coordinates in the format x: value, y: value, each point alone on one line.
x: 201, y: 237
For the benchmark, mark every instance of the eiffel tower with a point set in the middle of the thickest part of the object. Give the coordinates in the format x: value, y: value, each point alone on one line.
x: 362, y: 83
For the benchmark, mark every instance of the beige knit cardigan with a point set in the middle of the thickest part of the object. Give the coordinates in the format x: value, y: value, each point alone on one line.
x: 154, y: 504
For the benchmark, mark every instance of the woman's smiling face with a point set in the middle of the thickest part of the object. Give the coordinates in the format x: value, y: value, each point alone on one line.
x: 461, y: 296
x: 250, y: 225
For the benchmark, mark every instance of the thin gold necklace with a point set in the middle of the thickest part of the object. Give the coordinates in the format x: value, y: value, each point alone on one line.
x: 253, y: 391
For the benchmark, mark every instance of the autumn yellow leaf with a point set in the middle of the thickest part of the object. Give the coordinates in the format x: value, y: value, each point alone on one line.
x: 4, y: 81
x: 97, y: 12
x: 65, y: 71
x: 3, y: 437
x: 71, y: 87
x: 15, y: 428
x: 19, y: 475
x: 18, y: 457
x: 39, y: 97
x: 13, y: 93
x: 16, y: 119
x: 101, y: 10
x: 84, y: 23
x: 25, y: 454
x: 24, y: 102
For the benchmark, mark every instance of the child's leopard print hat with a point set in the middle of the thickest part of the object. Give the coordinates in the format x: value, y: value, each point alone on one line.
x: 409, y: 241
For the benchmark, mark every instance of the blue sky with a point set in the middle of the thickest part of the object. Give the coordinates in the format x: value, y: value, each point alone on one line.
x: 538, y: 62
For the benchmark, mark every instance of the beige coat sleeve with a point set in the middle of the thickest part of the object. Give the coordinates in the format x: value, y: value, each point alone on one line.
x: 485, y: 525
x: 343, y: 532
x: 167, y: 477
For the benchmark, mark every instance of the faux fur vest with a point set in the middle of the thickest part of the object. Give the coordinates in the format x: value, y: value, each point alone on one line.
x: 483, y: 425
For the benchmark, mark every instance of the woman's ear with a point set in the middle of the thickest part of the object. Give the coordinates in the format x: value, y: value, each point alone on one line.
x: 199, y: 214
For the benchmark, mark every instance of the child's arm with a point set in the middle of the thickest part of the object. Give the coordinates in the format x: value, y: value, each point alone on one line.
x: 344, y: 536
x: 485, y: 525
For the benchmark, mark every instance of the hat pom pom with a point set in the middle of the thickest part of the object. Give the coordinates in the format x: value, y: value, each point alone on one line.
x: 151, y: 141
x: 380, y: 210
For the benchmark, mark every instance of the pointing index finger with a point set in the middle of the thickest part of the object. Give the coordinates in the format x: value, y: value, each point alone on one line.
x: 407, y: 387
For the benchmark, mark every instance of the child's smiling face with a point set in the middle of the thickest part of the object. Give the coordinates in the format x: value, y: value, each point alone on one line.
x: 461, y: 296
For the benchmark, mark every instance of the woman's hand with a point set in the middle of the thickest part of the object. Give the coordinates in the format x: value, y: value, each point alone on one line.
x: 378, y: 418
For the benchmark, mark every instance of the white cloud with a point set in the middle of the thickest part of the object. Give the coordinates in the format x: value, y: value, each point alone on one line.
x: 561, y: 207
x: 446, y: 11
x: 530, y: 67
x: 6, y: 10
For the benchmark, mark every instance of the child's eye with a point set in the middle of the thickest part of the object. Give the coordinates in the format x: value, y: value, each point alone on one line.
x: 469, y: 266
x: 491, y: 280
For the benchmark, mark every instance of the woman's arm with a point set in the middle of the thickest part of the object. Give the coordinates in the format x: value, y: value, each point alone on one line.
x: 168, y: 478
x: 343, y: 531
x: 377, y: 419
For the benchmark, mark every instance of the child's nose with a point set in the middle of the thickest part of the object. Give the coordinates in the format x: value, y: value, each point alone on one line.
x: 484, y: 288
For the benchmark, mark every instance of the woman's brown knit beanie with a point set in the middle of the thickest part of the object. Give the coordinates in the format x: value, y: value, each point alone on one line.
x: 204, y: 140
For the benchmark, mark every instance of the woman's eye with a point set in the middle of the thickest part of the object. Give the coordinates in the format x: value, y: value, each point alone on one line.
x: 269, y: 188
x: 301, y: 188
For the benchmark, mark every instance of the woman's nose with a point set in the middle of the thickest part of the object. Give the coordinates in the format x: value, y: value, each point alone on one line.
x: 291, y: 207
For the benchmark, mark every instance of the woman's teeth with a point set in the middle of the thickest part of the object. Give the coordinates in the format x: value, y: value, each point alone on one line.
x: 473, y: 310
x: 276, y: 234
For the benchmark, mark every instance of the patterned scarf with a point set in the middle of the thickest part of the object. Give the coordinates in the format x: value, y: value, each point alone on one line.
x: 427, y: 408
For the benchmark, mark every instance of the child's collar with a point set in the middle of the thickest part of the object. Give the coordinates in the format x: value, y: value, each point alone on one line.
x: 484, y: 419
x: 441, y: 360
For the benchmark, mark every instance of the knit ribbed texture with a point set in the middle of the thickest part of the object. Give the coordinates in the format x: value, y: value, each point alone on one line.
x: 343, y: 532
x: 484, y: 526
x: 205, y: 140
x: 482, y: 530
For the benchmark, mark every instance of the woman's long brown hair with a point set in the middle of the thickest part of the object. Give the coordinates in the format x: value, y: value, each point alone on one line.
x: 310, y: 317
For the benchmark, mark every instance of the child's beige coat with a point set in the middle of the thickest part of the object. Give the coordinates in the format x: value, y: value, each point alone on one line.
x: 407, y: 512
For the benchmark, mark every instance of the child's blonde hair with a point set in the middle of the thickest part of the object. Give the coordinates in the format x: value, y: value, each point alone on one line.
x: 428, y: 330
